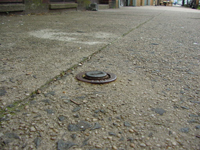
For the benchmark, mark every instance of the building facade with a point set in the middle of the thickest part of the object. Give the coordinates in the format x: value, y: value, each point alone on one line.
x: 134, y: 3
x: 37, y: 6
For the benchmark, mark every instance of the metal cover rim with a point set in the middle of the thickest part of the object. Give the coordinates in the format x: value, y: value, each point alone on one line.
x: 112, y: 77
x: 91, y: 74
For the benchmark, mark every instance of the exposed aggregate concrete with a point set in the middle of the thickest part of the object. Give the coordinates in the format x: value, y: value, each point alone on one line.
x: 153, y: 104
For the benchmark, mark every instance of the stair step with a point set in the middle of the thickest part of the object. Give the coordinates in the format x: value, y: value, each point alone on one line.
x: 103, y: 6
x: 12, y: 7
x: 62, y: 5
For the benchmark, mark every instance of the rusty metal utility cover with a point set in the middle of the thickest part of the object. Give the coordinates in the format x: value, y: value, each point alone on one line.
x: 97, y: 77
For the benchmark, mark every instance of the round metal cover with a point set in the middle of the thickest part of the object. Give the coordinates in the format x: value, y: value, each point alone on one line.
x: 97, y: 77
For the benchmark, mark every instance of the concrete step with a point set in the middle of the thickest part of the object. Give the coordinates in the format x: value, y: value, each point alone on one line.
x: 103, y: 6
x: 12, y: 7
x: 62, y: 5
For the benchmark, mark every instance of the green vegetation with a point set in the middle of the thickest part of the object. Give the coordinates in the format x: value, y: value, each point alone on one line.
x: 34, y: 4
x: 84, y: 3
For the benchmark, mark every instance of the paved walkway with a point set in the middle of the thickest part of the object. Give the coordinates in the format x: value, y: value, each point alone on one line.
x: 153, y: 104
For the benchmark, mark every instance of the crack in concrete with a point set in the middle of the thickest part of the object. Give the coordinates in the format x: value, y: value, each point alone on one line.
x: 25, y: 101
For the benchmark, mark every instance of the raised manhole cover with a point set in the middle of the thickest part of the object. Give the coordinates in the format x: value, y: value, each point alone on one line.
x: 97, y: 77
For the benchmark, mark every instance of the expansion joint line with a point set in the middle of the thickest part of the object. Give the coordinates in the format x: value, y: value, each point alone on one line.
x: 21, y: 103
x: 140, y: 25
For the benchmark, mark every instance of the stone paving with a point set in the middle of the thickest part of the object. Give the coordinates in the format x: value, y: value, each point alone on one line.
x: 153, y: 104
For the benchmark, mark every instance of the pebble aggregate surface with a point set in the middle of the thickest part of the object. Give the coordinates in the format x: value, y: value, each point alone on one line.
x: 153, y: 104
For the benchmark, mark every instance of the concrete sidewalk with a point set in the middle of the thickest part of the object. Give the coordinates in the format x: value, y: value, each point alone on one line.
x: 153, y: 104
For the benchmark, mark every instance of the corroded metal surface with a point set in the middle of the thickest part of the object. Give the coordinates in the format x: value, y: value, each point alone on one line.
x: 96, y: 75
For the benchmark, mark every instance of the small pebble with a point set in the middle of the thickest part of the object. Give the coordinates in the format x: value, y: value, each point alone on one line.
x: 131, y: 130
x: 34, y: 111
x: 174, y: 143
x: 73, y: 136
x: 105, y: 137
x: 111, y: 133
x: 185, y: 130
x: 148, y: 144
x: 76, y: 115
x: 143, y: 145
x: 98, y: 146
x: 38, y: 91
x: 158, y: 145
x: 114, y: 147
x: 174, y: 100
x: 132, y: 145
x: 94, y: 119
x: 32, y: 129
x: 197, y: 127
x: 31, y: 146
x: 53, y: 138
x: 85, y: 101
x: 110, y: 138
x: 87, y: 119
